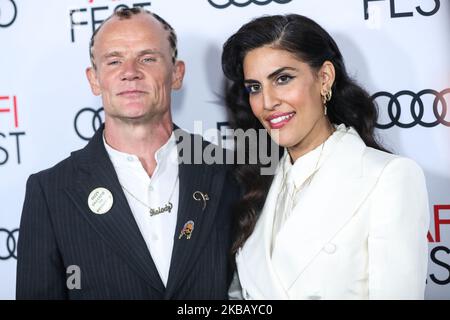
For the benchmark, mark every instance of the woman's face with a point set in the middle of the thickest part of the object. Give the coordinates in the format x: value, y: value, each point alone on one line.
x: 285, y: 95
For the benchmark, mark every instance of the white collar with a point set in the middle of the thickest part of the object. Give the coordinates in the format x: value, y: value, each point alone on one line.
x: 120, y: 159
x: 307, y: 164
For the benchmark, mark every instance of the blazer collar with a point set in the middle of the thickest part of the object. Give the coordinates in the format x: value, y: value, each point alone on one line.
x: 197, y: 180
x: 340, y: 191
x: 254, y: 260
x: 118, y: 227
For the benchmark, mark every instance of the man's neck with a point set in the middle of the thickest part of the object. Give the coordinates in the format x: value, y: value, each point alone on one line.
x: 142, y: 140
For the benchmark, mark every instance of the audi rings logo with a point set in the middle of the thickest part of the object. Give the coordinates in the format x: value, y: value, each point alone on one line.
x: 8, y: 13
x: 222, y: 4
x: 406, y: 109
x: 87, y: 121
x: 10, y: 239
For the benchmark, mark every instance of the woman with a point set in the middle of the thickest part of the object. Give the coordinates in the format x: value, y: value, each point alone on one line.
x: 341, y: 218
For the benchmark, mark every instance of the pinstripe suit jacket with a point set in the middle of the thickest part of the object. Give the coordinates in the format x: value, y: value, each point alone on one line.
x: 58, y: 230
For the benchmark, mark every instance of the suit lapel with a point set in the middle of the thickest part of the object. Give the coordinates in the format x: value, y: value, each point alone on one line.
x: 254, y: 260
x: 317, y: 220
x: 206, y: 179
x: 117, y: 227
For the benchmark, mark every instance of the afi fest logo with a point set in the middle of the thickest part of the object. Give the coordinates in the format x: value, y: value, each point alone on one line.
x: 8, y: 13
x: 222, y: 4
x: 9, y: 139
x: 86, y: 20
x: 424, y: 8
x: 440, y: 254
x: 406, y: 109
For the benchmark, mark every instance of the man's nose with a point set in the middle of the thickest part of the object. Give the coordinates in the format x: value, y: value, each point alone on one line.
x: 131, y: 71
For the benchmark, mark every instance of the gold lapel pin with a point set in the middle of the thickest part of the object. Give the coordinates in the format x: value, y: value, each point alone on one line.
x: 199, y: 196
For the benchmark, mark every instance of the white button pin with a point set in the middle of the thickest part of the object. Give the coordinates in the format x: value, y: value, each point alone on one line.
x: 100, y: 200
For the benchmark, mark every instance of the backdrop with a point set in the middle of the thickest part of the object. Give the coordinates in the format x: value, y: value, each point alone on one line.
x: 397, y: 49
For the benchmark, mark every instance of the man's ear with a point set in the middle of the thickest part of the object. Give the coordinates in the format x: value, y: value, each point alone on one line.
x: 327, y: 75
x: 91, y: 75
x: 178, y: 75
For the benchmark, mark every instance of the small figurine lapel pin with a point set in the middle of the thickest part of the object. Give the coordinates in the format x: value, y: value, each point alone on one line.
x: 187, y: 230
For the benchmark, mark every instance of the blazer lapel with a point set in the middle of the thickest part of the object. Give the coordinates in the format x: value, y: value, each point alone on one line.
x: 117, y: 227
x: 340, y: 192
x: 208, y: 180
x: 254, y: 261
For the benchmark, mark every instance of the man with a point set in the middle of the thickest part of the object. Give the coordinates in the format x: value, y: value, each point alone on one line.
x: 121, y: 219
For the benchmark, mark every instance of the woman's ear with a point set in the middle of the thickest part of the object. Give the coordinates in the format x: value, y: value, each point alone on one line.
x: 327, y: 76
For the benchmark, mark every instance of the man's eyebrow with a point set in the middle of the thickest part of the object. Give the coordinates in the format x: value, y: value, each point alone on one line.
x: 112, y: 54
x: 118, y: 54
x: 149, y: 51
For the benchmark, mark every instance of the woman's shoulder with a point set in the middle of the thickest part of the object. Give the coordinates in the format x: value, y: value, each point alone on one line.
x: 383, y: 163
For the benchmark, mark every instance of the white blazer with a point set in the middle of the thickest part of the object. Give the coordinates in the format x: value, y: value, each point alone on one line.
x: 359, y: 233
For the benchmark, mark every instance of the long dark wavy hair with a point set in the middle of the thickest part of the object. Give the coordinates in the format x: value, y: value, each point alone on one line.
x: 311, y: 44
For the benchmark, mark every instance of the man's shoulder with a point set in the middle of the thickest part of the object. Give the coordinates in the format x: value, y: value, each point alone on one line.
x: 63, y: 168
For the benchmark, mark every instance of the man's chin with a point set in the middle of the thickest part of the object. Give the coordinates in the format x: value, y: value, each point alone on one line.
x: 129, y: 118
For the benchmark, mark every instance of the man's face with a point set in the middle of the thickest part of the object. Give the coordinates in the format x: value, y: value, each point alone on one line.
x: 134, y: 71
